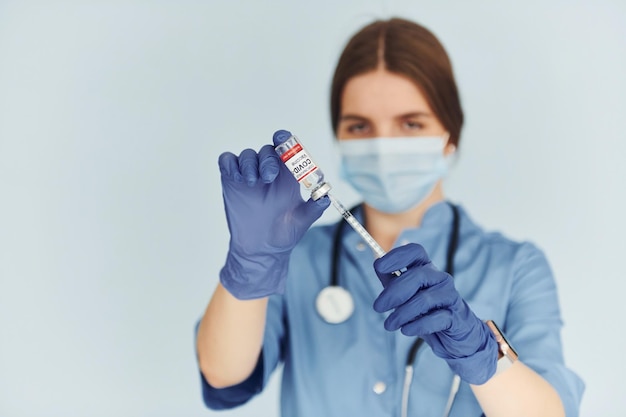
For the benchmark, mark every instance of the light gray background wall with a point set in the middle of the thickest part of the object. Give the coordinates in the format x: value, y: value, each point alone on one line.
x: 113, y: 114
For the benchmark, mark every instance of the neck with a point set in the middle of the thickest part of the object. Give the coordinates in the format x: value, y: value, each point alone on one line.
x: 386, y: 227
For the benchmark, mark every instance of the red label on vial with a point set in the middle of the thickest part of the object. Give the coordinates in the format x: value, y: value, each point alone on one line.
x: 291, y: 152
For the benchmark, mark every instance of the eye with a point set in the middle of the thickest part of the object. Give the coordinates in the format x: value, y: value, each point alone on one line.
x: 358, y: 128
x: 412, y: 125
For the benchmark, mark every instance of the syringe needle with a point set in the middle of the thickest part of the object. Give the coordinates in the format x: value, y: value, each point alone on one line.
x: 308, y: 174
x: 358, y: 227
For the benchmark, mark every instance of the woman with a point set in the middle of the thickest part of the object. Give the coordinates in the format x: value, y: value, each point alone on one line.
x: 396, y: 112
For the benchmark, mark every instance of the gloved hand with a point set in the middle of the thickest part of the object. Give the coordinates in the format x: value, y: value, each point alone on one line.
x: 266, y: 217
x: 426, y: 304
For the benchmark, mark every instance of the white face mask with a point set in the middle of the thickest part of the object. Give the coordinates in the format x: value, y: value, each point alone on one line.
x: 394, y: 174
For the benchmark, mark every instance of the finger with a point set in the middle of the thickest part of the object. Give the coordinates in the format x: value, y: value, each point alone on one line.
x: 229, y: 167
x: 281, y: 136
x: 399, y: 290
x: 434, y: 322
x: 421, y: 304
x: 269, y: 164
x: 249, y: 166
x: 403, y: 257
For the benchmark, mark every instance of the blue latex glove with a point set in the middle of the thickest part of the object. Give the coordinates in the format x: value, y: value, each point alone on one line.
x: 266, y: 217
x: 426, y: 304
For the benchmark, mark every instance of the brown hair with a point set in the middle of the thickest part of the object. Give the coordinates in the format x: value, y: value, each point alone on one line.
x: 408, y: 49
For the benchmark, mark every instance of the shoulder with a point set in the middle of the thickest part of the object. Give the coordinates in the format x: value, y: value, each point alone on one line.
x: 496, y: 243
x: 496, y: 273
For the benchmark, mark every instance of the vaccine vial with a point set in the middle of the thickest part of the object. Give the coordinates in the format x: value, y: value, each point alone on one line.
x: 306, y: 172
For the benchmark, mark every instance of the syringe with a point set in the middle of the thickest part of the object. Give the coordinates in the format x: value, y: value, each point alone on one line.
x: 358, y: 227
x: 307, y: 173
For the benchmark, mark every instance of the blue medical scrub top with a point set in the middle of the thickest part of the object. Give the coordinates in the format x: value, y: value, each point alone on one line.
x: 332, y: 369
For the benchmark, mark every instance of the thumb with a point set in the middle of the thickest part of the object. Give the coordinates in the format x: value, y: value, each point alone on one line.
x: 406, y: 256
x: 399, y: 259
x: 311, y: 210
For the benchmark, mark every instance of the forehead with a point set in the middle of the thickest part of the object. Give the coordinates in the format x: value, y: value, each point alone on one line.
x: 381, y: 93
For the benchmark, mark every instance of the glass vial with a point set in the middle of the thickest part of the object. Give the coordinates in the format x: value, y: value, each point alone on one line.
x: 305, y: 171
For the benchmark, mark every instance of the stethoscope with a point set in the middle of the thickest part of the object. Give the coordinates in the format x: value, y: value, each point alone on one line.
x: 335, y: 305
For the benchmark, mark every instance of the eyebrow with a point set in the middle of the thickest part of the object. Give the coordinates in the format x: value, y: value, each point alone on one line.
x: 352, y: 117
x: 417, y: 114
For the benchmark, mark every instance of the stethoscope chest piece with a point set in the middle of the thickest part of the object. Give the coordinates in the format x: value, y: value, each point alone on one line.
x: 334, y: 304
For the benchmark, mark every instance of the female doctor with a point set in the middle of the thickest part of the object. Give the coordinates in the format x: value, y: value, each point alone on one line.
x: 442, y: 337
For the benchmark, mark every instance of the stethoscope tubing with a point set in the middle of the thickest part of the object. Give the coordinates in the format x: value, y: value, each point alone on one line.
x: 411, y: 356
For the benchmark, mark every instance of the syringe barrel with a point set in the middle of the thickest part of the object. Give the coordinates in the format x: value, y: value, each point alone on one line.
x: 302, y: 167
x: 358, y: 227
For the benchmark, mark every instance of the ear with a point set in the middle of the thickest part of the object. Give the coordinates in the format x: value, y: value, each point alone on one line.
x: 450, y: 148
